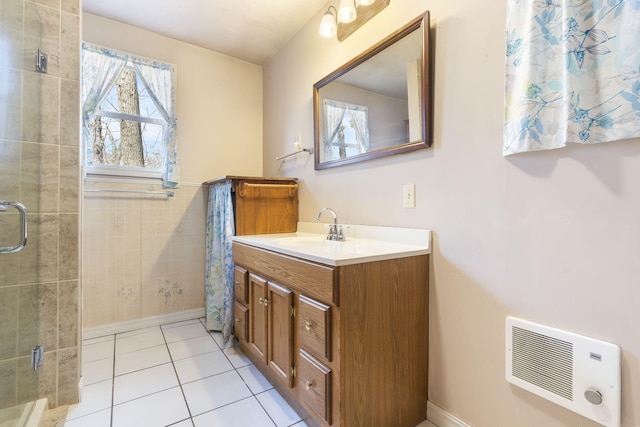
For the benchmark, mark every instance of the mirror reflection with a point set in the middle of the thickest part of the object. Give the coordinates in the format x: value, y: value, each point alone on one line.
x: 375, y: 105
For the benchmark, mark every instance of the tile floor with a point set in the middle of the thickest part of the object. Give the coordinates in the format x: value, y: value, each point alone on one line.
x: 175, y: 375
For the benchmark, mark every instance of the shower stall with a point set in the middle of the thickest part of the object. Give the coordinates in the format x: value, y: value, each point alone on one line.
x: 31, y: 284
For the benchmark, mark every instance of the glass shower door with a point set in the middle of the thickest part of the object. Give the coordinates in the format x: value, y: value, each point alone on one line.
x: 20, y: 165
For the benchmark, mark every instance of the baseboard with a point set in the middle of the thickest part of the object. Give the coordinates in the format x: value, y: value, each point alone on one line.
x: 146, y: 322
x: 442, y: 418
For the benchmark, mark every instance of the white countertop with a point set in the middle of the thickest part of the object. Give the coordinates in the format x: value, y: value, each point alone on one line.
x: 364, y: 243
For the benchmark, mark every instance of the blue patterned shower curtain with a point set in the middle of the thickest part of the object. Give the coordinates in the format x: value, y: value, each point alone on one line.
x: 573, y: 73
x: 219, y: 261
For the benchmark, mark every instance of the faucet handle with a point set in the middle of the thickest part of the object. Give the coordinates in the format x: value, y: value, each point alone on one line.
x: 340, y: 237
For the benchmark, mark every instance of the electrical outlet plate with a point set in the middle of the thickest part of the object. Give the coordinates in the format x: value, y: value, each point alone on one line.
x: 409, y: 196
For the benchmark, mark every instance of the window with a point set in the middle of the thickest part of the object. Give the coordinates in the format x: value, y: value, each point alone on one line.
x: 347, y: 132
x: 128, y: 115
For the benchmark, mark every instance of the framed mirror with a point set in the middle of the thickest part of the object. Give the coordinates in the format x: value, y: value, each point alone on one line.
x: 377, y: 104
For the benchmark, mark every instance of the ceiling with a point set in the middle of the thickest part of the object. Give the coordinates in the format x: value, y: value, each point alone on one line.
x: 246, y: 29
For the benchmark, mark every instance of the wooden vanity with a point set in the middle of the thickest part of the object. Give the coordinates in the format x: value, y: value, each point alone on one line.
x: 345, y: 344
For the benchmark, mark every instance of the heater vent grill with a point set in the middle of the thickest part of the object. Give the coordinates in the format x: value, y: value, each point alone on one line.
x: 543, y: 361
x: 579, y: 373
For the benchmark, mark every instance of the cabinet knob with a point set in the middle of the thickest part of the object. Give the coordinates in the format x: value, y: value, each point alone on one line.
x: 308, y: 325
x: 237, y: 283
x: 308, y: 385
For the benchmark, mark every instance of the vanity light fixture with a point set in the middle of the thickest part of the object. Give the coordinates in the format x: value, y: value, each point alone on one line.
x: 348, y: 17
x: 347, y: 11
x: 328, y: 26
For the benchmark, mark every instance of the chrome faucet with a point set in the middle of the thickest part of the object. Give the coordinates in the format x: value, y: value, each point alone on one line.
x: 335, y: 230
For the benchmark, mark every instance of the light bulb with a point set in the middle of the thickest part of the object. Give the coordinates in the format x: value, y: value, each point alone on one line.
x: 346, y: 11
x: 366, y: 2
x: 327, y: 25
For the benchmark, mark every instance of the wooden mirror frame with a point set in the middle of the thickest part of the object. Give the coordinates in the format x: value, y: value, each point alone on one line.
x: 421, y: 23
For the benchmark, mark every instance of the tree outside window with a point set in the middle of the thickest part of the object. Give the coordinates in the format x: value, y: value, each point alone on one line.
x: 128, y: 119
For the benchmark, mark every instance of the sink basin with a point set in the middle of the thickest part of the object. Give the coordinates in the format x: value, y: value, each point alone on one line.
x: 299, y: 241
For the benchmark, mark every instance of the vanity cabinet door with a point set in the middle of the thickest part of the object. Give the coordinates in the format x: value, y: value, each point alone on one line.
x: 280, y: 330
x: 258, y: 316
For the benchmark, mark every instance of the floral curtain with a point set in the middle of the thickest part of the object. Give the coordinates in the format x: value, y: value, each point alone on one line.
x: 219, y: 262
x: 572, y: 73
x: 102, y: 67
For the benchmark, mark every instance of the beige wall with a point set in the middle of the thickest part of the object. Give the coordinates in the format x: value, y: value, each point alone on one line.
x: 144, y: 255
x: 551, y: 237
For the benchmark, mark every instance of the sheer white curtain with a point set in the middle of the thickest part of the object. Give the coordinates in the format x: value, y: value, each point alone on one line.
x: 360, y: 123
x: 158, y: 81
x: 333, y: 115
x: 103, y: 71
x: 573, y: 73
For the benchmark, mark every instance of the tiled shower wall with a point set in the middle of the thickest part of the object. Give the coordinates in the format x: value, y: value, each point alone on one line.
x: 143, y: 254
x: 40, y: 167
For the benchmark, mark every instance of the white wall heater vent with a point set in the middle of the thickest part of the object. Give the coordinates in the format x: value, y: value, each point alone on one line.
x: 579, y: 373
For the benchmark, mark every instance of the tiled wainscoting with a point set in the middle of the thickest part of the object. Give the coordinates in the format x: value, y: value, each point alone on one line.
x: 143, y: 254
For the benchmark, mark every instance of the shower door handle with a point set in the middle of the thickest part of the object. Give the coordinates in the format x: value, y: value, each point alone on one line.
x: 23, y: 227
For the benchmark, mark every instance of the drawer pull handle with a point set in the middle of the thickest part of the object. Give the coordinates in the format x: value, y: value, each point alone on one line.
x: 308, y: 385
x: 308, y: 325
x: 263, y: 301
x: 237, y: 283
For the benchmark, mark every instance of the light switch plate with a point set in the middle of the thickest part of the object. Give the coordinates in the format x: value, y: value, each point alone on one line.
x: 409, y: 196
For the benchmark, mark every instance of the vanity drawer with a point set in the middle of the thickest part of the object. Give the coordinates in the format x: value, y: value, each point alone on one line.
x: 241, y: 325
x: 240, y: 285
x: 314, y: 384
x: 314, y: 327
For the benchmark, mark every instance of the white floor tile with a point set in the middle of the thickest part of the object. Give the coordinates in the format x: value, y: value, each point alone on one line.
x: 141, y: 359
x: 97, y: 371
x: 254, y: 379
x: 97, y: 419
x: 217, y: 337
x: 246, y: 413
x: 95, y: 398
x: 95, y: 340
x: 184, y: 332
x: 142, y: 383
x: 134, y: 342
x: 237, y: 357
x: 185, y: 423
x: 156, y: 410
x: 214, y: 392
x: 192, y: 347
x: 97, y: 350
x: 138, y: 332
x: 202, y: 366
x: 278, y: 408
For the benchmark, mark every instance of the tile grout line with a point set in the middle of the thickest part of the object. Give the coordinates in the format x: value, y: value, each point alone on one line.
x: 175, y: 371
x: 113, y: 382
